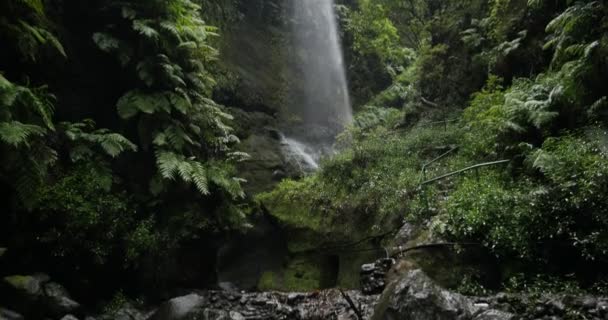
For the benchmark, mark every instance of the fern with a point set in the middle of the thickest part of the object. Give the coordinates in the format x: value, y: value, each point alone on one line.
x: 571, y: 31
x: 134, y: 102
x: 143, y: 28
x: 113, y: 144
x: 18, y: 134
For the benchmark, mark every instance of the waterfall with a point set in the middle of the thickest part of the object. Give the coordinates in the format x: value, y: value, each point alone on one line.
x: 321, y: 99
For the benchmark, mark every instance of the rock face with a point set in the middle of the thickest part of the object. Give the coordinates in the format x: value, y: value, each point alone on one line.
x: 214, y: 305
x: 416, y: 296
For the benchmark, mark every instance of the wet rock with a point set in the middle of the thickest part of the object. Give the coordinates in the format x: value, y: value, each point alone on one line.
x: 416, y: 296
x: 236, y: 316
x: 69, y: 317
x: 6, y: 314
x: 373, y: 276
x: 178, y: 308
x: 556, y: 306
x: 405, y: 234
x: 219, y: 305
x: 494, y: 315
x: 58, y: 300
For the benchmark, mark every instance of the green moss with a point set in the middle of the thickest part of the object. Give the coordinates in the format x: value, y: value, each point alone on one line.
x: 27, y: 284
x: 303, y: 275
x: 270, y: 280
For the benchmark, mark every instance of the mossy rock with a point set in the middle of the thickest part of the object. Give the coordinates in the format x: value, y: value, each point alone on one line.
x: 30, y: 285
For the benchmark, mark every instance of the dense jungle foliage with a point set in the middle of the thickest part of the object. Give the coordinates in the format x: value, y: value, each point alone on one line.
x: 478, y: 82
x: 120, y: 161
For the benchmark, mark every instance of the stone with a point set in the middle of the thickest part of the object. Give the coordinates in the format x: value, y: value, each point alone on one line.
x: 30, y: 285
x: 6, y: 314
x: 556, y: 306
x: 588, y: 302
x: 373, y: 276
x: 494, y: 315
x: 69, y: 317
x: 58, y: 300
x: 178, y: 308
x: 416, y: 296
x: 236, y: 316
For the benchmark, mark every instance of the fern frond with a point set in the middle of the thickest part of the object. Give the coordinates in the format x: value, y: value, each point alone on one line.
x: 199, y: 177
x: 114, y: 144
x: 136, y: 101
x: 15, y: 133
x: 143, y: 28
x: 167, y: 163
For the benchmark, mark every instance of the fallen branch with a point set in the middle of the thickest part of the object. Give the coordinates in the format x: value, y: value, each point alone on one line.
x: 351, y: 304
x: 429, y: 103
x: 399, y: 250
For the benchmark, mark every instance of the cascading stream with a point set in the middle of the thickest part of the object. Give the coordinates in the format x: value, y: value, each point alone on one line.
x: 322, y: 101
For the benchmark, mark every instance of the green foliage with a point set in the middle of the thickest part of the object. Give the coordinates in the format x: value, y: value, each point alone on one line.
x: 367, y: 184
x: 186, y: 129
x: 25, y: 123
x: 572, y: 32
x: 84, y: 138
x: 25, y: 25
x: 85, y: 217
x: 375, y: 34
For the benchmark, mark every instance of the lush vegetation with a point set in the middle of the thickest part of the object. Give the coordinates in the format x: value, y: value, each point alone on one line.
x: 499, y: 80
x: 117, y: 161
x: 157, y: 174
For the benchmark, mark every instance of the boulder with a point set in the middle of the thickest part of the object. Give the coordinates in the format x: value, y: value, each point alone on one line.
x: 416, y: 296
x: 178, y: 308
x: 27, y: 285
x: 58, y: 300
x: 69, y: 317
x: 6, y: 314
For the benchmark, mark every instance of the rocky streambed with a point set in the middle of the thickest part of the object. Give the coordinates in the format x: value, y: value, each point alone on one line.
x: 412, y: 296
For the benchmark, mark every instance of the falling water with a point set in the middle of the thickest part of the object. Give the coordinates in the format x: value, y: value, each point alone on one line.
x: 322, y: 100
